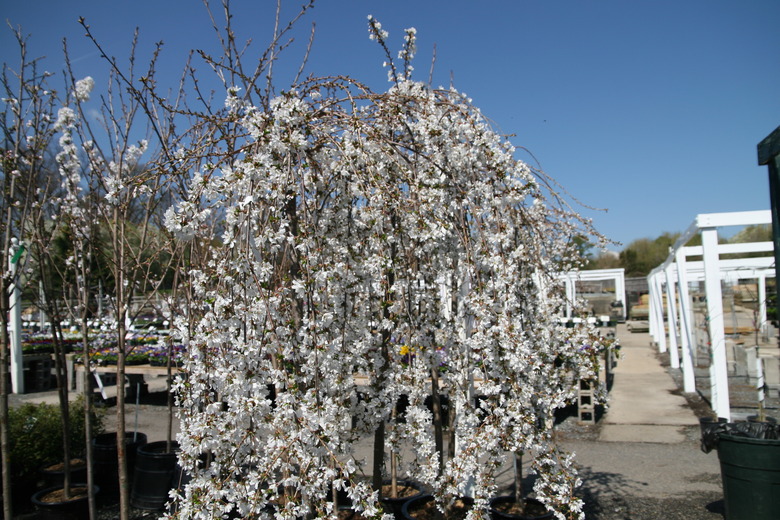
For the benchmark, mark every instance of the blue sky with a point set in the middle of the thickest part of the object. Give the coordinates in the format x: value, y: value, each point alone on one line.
x: 651, y: 109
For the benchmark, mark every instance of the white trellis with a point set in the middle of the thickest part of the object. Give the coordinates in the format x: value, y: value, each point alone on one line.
x: 677, y: 272
x: 571, y: 278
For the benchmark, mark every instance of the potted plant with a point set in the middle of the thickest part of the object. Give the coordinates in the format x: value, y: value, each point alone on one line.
x: 518, y: 506
x: 36, y: 450
x: 352, y: 216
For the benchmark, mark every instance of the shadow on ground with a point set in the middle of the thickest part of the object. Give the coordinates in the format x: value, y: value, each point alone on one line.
x: 610, y: 496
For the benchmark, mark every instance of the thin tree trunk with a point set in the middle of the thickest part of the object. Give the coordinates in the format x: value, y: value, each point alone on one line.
x: 518, y: 485
x: 379, y: 435
x: 87, y: 386
x: 124, y: 484
x: 169, y: 384
x: 122, y: 293
x: 394, y: 461
x: 62, y: 392
x: 379, y: 456
x: 438, y: 434
x: 5, y: 445
x: 49, y: 302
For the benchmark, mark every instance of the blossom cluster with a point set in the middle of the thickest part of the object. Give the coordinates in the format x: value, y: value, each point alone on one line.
x: 356, y: 222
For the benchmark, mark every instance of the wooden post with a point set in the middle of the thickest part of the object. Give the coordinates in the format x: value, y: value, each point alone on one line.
x: 769, y: 155
x: 671, y: 312
x: 719, y: 377
x: 686, y: 335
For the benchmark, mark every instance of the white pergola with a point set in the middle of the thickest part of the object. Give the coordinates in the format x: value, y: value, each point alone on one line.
x: 571, y: 278
x: 675, y: 274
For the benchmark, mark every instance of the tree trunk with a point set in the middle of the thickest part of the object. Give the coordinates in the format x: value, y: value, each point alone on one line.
x: 518, y: 485
x: 379, y: 456
x: 438, y: 434
x: 124, y: 484
x: 62, y: 392
x: 122, y: 298
x: 5, y: 445
x: 168, y: 386
x: 87, y: 386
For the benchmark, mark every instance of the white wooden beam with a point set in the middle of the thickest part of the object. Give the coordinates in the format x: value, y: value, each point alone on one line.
x: 719, y: 368
x: 686, y: 330
x: 762, y: 303
x: 658, y: 310
x: 671, y: 313
x: 736, y: 218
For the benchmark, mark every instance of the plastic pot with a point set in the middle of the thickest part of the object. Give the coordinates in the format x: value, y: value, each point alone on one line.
x: 394, y: 506
x: 73, y: 509
x: 155, y: 468
x: 105, y: 459
x: 54, y: 475
x: 750, y: 469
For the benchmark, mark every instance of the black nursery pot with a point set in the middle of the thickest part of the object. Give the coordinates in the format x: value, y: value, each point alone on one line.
x: 105, y: 463
x: 155, y: 468
x: 708, y: 424
x: 412, y: 504
x: 395, y: 505
x: 54, y: 475
x: 73, y: 509
x: 535, y: 510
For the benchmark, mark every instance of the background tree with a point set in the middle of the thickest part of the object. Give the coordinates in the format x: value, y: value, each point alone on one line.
x: 123, y: 195
x: 644, y: 254
x: 25, y: 175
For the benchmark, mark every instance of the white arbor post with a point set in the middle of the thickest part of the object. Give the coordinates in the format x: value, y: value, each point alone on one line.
x: 761, y: 325
x: 652, y: 315
x: 571, y: 294
x: 658, y: 309
x: 718, y: 368
x: 686, y: 340
x: 651, y: 302
x: 650, y: 307
x: 15, y: 322
x: 671, y: 302
x: 620, y: 289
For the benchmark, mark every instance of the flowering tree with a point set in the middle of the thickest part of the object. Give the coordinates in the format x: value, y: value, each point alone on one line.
x: 110, y: 193
x: 354, y: 223
x: 25, y: 177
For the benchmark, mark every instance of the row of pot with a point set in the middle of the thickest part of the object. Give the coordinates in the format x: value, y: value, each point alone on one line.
x: 152, y: 470
x: 154, y: 473
x: 501, y: 508
x: 417, y: 505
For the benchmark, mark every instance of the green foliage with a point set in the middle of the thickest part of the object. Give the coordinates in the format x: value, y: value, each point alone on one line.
x: 643, y: 255
x: 35, y: 432
x: 756, y: 233
x: 606, y: 260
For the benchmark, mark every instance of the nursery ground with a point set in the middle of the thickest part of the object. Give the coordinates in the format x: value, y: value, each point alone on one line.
x: 641, y: 460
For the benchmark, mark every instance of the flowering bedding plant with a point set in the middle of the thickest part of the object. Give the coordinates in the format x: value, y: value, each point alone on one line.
x: 43, y: 343
x: 141, y: 350
x: 159, y: 356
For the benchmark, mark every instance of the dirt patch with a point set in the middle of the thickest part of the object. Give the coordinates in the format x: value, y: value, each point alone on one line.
x: 427, y: 510
x: 403, y: 491
x: 58, y: 495
x: 350, y: 514
x: 74, y: 464
x: 530, y: 508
